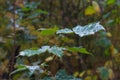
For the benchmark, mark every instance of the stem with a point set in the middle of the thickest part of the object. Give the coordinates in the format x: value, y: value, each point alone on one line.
x: 14, y: 42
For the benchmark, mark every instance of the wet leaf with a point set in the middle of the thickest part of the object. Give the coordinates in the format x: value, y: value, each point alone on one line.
x: 29, y: 52
x: 58, y: 51
x: 88, y: 29
x: 66, y: 30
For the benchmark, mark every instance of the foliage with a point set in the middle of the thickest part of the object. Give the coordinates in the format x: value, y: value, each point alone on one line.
x: 61, y: 75
x: 41, y: 38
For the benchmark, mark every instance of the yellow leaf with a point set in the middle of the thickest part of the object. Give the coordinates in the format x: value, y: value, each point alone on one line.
x: 111, y: 74
x: 49, y: 59
x: 90, y: 10
x: 109, y: 34
x: 96, y: 6
x: 76, y: 74
x: 108, y: 64
x: 81, y: 74
x: 88, y: 78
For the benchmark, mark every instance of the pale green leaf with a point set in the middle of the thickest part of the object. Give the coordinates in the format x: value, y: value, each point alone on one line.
x: 30, y: 69
x: 88, y: 29
x: 58, y: 51
x: 65, y: 31
x: 30, y: 52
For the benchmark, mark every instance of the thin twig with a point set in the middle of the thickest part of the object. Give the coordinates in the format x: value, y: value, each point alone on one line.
x: 14, y: 42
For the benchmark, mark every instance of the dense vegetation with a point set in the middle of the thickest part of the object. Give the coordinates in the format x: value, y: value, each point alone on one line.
x: 59, y: 39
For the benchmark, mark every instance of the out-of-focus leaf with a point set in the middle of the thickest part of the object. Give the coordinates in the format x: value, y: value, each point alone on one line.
x: 78, y: 49
x: 109, y: 2
x: 107, y: 15
x: 88, y: 78
x: 111, y: 74
x: 88, y: 29
x: 76, y: 74
x: 58, y: 51
x: 104, y: 42
x: 104, y: 74
x: 37, y: 13
x: 96, y: 6
x: 65, y: 31
x: 82, y: 74
x: 90, y: 10
x: 48, y: 32
x: 61, y: 75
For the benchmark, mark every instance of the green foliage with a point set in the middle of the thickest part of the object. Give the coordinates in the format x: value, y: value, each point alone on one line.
x: 88, y: 29
x: 58, y: 51
x: 64, y: 31
x: 48, y: 32
x: 84, y: 30
x: 29, y: 69
x: 61, y: 75
x: 37, y: 23
x: 78, y: 49
x: 104, y: 74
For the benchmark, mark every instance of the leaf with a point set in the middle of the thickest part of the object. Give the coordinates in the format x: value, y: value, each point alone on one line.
x: 29, y: 52
x: 31, y: 69
x: 109, y: 2
x: 65, y: 31
x: 58, y: 51
x: 20, y: 69
x: 96, y: 6
x: 104, y: 74
x: 48, y: 32
x: 78, y: 49
x: 88, y: 29
x: 90, y: 10
x: 61, y: 75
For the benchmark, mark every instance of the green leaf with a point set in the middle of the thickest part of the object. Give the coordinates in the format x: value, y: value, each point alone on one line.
x: 58, y: 51
x: 29, y: 52
x: 78, y: 49
x: 104, y: 74
x: 20, y: 69
x: 88, y: 29
x: 109, y: 2
x: 33, y: 68
x: 90, y: 10
x: 37, y: 13
x: 62, y: 75
x: 30, y: 69
x: 65, y: 31
x: 48, y: 32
